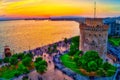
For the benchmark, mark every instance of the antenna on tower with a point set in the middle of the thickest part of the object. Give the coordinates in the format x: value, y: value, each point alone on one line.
x: 94, y: 9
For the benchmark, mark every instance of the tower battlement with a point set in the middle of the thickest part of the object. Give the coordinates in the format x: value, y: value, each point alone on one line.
x: 101, y: 27
x: 93, y: 21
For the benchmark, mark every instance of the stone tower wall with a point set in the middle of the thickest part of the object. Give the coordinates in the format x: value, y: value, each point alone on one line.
x: 94, y: 36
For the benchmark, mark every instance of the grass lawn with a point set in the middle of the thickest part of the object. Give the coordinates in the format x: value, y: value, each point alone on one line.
x: 88, y: 64
x: 114, y: 41
x: 7, y: 72
x: 69, y: 63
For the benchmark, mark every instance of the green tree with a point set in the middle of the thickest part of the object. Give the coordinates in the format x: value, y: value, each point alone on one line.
x: 6, y: 60
x: 22, y: 68
x: 38, y: 59
x: 74, y: 46
x: 91, y: 55
x: 72, y: 49
x: 75, y: 40
x: 41, y: 69
x: 99, y: 62
x: 106, y: 66
x: 28, y: 55
x: 17, y: 73
x: 15, y: 55
x: 92, y: 66
x: 79, y: 62
x: 76, y: 58
x: 78, y: 53
x: 101, y: 72
x: 40, y: 65
x: 54, y: 48
x: 21, y: 56
x: 13, y: 60
x: 27, y: 61
x: 50, y: 51
x: 90, y: 61
x: 43, y: 62
x: 110, y: 72
x: 1, y: 60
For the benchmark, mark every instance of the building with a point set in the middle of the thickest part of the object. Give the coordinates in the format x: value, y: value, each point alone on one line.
x: 94, y: 36
x: 7, y: 51
x: 114, y: 27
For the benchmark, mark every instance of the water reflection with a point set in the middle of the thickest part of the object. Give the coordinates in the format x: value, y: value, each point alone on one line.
x: 22, y: 35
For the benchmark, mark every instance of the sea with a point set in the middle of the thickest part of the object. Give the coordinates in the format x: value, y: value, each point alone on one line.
x: 21, y: 35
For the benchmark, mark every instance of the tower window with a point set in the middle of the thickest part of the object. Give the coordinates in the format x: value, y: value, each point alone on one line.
x: 104, y: 40
x: 117, y: 28
x: 95, y: 35
x: 99, y: 34
x: 93, y: 42
x: 89, y: 34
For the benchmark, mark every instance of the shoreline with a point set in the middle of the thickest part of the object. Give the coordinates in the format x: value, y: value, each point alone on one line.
x: 39, y: 51
x: 113, y: 50
x: 42, y: 49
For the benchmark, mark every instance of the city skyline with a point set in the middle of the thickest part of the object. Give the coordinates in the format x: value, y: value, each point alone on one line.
x: 47, y: 8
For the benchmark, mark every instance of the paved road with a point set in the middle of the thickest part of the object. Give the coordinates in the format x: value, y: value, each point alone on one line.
x: 51, y: 73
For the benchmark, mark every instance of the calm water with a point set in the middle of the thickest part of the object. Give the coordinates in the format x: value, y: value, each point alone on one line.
x: 20, y: 35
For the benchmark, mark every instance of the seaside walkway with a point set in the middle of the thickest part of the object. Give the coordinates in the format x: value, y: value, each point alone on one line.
x: 52, y: 73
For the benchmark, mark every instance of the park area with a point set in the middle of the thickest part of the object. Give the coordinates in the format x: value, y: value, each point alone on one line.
x: 19, y: 64
x: 88, y: 63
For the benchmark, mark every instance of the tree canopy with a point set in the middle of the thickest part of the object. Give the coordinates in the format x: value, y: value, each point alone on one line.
x: 27, y: 61
x: 40, y: 65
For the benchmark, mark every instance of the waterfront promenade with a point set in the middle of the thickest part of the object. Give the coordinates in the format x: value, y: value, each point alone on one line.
x: 52, y: 73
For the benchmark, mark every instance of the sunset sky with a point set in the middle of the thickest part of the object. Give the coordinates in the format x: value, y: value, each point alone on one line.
x: 35, y: 8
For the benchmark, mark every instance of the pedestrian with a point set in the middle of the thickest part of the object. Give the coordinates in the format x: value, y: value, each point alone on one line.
x: 49, y: 61
x: 40, y: 78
